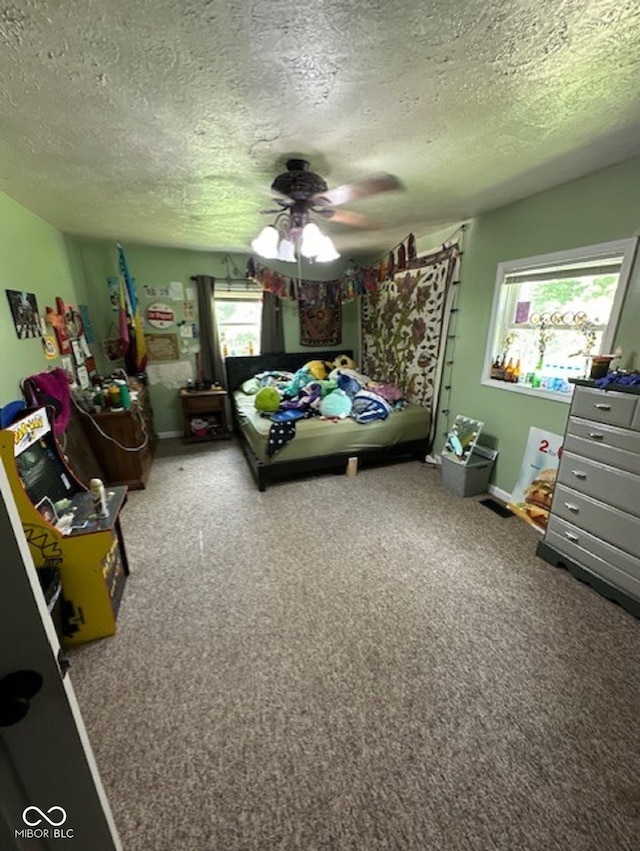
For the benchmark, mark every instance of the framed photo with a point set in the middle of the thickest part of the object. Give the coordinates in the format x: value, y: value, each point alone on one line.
x: 24, y: 311
x: 78, y: 354
x: 162, y: 347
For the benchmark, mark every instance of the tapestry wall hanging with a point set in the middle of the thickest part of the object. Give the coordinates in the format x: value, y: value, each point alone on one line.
x: 320, y: 311
x: 404, y: 324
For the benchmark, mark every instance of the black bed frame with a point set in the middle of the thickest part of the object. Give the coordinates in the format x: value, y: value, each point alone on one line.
x: 240, y: 369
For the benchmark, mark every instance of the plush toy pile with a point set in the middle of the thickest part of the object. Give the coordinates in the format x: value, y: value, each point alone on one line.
x: 333, y: 390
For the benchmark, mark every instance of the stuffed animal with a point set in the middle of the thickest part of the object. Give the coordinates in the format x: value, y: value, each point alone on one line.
x: 318, y: 368
x: 336, y: 405
x: 267, y: 400
x: 343, y: 362
x: 300, y: 379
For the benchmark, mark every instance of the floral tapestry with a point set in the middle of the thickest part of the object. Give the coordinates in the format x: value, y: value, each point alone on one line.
x: 404, y: 325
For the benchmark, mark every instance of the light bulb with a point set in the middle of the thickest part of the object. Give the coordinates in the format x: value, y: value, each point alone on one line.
x: 266, y: 243
x: 327, y: 251
x: 311, y: 240
x: 287, y: 251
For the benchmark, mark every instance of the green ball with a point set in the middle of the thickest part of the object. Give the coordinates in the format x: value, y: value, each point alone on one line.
x: 267, y: 400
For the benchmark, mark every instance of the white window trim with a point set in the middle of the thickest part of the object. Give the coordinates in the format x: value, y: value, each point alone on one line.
x: 626, y: 247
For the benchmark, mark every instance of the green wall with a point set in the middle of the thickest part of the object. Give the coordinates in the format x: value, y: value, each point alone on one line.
x: 159, y: 267
x: 601, y: 207
x: 37, y: 258
x: 597, y: 208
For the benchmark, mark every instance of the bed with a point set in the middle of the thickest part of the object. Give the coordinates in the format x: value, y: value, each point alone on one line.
x: 319, y: 444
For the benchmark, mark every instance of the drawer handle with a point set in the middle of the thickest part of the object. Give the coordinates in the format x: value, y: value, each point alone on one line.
x: 572, y: 507
x: 595, y: 436
x: 571, y: 536
x: 579, y: 474
x: 602, y: 406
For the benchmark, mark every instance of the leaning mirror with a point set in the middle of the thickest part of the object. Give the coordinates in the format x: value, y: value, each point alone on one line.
x: 462, y: 437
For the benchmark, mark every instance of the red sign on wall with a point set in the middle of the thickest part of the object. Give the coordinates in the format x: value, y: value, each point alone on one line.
x: 160, y: 315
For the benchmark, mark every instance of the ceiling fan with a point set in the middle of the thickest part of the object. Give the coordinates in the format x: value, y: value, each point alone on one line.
x: 299, y: 192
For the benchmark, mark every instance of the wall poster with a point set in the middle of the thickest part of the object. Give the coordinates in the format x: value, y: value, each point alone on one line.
x: 533, y: 491
x: 24, y: 311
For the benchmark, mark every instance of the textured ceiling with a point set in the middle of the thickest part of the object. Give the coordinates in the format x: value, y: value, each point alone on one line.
x: 165, y: 121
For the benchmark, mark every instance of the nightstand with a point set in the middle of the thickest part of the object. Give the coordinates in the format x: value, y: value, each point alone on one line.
x: 205, y: 415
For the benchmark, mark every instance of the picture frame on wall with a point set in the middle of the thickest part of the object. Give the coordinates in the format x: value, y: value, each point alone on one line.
x: 162, y: 347
x: 24, y: 312
x: 78, y: 354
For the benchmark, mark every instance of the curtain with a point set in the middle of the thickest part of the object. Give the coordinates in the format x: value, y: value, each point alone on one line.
x: 404, y: 326
x: 210, y: 356
x: 271, y: 329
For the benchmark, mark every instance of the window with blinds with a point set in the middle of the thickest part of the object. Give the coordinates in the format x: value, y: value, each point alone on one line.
x: 553, y: 313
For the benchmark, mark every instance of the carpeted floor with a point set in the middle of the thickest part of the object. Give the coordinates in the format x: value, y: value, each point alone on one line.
x: 356, y: 664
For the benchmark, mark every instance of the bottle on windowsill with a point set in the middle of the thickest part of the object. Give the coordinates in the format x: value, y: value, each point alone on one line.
x: 508, y: 373
x: 495, y: 368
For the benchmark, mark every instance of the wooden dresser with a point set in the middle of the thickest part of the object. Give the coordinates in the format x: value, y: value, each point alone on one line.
x: 124, y: 442
x: 594, y: 526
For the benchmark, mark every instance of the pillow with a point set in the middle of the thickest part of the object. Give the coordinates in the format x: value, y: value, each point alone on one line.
x: 250, y: 386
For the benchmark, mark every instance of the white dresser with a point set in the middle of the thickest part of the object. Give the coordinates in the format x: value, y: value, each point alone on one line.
x: 594, y: 526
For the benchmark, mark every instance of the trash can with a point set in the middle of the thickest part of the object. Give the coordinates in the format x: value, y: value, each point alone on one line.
x: 470, y: 478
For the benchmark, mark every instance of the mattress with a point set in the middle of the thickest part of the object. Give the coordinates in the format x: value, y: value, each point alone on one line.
x: 316, y: 436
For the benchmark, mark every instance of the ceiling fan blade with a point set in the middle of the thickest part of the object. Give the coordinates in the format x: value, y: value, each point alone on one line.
x: 346, y: 217
x: 349, y: 192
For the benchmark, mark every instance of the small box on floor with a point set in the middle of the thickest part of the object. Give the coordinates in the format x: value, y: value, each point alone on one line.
x: 470, y: 478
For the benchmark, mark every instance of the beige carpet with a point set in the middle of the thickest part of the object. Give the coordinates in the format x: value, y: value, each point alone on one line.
x: 355, y: 664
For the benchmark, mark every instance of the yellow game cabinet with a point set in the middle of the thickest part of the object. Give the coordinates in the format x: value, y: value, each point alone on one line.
x: 64, y: 530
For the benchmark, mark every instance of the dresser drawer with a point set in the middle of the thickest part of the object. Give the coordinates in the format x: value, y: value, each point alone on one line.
x: 606, y: 435
x: 600, y: 481
x: 612, y: 525
x: 613, y: 408
x: 608, y: 562
x: 600, y: 450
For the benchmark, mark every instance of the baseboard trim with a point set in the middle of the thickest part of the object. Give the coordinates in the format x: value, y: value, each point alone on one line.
x: 163, y: 435
x: 502, y: 495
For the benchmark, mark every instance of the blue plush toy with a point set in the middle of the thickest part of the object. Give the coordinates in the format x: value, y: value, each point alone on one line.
x: 300, y: 379
x: 336, y: 405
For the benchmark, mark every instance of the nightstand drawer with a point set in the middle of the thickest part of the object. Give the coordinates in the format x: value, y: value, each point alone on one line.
x: 600, y: 481
x: 196, y: 403
x: 613, y: 408
x: 611, y: 524
x: 617, y: 567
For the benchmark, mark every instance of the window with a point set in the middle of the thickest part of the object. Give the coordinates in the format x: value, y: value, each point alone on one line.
x: 239, y: 316
x: 552, y: 313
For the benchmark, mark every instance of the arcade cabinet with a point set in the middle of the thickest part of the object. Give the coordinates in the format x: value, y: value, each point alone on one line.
x: 64, y: 530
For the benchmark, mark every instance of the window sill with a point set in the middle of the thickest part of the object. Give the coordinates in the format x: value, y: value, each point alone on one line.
x: 526, y: 390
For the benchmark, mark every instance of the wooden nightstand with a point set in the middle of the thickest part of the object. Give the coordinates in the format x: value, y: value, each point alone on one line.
x: 205, y: 415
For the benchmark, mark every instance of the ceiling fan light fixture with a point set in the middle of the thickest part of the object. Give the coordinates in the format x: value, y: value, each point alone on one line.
x: 311, y: 241
x: 287, y: 251
x: 266, y: 243
x: 327, y: 251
